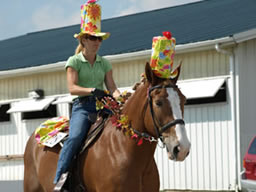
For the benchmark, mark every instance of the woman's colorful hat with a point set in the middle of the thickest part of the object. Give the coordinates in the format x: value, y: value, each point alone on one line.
x: 91, y: 20
x: 163, y: 49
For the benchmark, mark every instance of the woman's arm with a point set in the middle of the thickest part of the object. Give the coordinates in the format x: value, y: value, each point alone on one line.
x: 110, y: 84
x: 72, y: 80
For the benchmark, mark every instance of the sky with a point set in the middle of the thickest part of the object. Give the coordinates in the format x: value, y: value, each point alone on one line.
x: 19, y: 17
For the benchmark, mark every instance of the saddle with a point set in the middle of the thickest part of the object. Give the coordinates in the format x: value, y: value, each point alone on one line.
x: 98, y: 121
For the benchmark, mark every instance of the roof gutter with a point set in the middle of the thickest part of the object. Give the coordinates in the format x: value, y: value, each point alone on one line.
x: 33, y: 70
x: 119, y: 58
x: 185, y: 48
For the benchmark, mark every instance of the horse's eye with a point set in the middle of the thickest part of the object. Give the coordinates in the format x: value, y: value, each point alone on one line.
x: 159, y: 103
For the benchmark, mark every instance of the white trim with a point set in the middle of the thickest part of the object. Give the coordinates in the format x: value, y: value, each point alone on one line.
x: 28, y: 105
x: 67, y: 98
x: 245, y: 36
x: 234, y: 104
x: 185, y: 48
x: 33, y: 70
x: 128, y: 89
x: 196, y: 88
x: 201, y: 88
x: 4, y: 102
x: 189, y: 47
x: 64, y: 99
x: 203, y: 45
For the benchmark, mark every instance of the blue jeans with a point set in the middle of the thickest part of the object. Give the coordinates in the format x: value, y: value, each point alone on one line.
x: 78, y: 129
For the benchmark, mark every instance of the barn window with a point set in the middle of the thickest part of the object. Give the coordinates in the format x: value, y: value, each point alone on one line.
x: 35, y: 108
x: 49, y: 112
x: 4, y: 116
x: 204, y: 91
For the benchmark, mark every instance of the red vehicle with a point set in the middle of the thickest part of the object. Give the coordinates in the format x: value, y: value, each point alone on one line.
x: 249, y: 161
x: 248, y: 175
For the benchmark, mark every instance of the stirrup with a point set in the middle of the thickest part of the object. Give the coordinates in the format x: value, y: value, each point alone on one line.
x: 61, y: 182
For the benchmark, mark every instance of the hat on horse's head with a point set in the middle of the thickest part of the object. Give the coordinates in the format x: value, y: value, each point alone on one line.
x: 91, y: 20
x: 163, y: 49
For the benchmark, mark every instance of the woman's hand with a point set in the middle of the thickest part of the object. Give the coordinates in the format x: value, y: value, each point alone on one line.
x: 98, y: 93
x: 116, y: 94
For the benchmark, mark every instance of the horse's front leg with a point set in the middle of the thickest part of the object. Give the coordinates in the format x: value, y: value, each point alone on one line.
x: 150, y: 178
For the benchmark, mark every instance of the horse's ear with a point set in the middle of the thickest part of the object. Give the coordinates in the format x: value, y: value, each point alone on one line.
x: 149, y: 73
x: 177, y: 71
x: 151, y: 77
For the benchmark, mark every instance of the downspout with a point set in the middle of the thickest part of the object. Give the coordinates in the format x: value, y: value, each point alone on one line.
x: 234, y: 113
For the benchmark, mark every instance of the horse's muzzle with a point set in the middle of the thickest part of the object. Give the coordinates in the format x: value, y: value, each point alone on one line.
x: 178, y: 152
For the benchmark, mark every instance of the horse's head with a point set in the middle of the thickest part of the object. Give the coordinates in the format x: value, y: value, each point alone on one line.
x: 167, y: 108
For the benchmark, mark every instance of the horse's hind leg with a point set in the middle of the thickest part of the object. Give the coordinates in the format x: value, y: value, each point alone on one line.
x: 31, y: 183
x: 150, y: 179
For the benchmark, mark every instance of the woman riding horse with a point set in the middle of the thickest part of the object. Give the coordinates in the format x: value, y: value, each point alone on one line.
x: 115, y: 162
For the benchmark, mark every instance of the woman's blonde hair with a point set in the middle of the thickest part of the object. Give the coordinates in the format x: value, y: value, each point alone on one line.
x: 80, y: 46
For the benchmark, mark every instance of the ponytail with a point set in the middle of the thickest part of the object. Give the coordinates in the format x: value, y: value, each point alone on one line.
x: 79, y: 48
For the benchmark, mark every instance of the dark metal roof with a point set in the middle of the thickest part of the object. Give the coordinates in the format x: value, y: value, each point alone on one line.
x: 200, y: 21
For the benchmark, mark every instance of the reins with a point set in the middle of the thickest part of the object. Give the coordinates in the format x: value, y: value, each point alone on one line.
x: 121, y: 121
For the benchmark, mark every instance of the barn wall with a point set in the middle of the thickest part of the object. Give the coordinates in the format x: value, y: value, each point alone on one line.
x: 245, y: 63
x: 195, y: 65
x: 52, y: 83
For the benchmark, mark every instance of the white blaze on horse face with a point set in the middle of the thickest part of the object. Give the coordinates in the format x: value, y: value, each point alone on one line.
x: 184, y: 144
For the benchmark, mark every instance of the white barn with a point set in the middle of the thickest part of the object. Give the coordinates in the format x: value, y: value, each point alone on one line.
x: 218, y: 77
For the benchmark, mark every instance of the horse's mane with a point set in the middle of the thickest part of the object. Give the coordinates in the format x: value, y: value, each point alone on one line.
x: 127, y: 95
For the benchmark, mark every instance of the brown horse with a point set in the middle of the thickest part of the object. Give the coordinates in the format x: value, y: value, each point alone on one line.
x: 115, y: 162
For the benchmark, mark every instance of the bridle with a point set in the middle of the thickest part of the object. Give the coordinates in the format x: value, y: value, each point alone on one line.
x: 160, y: 130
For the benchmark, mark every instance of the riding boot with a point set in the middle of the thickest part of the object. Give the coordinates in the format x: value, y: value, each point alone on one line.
x: 61, y: 182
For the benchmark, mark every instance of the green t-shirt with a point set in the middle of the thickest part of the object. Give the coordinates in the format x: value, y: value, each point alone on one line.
x: 89, y: 76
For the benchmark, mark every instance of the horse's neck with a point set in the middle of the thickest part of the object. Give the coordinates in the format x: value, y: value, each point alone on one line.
x: 135, y: 106
x: 136, y: 110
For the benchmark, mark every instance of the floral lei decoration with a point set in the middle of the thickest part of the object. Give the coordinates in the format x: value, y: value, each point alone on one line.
x: 119, y: 120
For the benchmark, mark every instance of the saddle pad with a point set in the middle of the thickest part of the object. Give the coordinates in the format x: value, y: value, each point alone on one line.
x: 51, y: 142
x: 50, y: 129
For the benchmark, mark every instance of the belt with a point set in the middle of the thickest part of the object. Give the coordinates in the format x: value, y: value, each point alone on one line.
x: 86, y: 99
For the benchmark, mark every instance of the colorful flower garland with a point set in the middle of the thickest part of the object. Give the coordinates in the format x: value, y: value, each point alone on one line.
x: 121, y: 121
